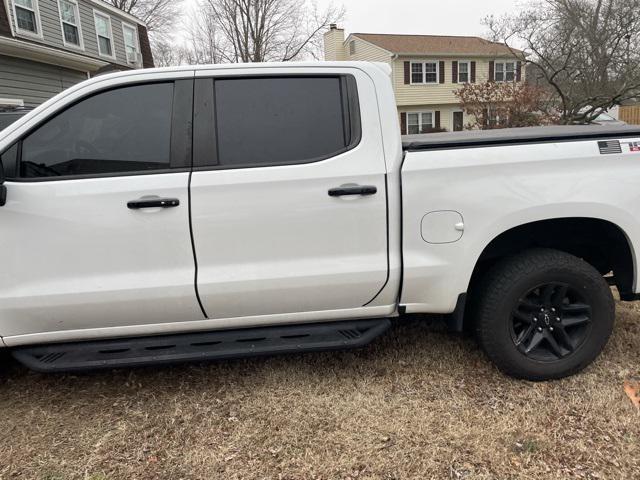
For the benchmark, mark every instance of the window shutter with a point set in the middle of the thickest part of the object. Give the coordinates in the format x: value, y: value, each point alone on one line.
x: 485, y: 118
x: 407, y: 73
x: 442, y: 72
x: 492, y: 66
x: 519, y: 72
x: 403, y: 123
x: 437, y: 121
x: 454, y: 71
x: 473, y: 72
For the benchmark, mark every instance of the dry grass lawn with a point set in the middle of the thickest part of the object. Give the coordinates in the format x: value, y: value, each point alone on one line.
x: 419, y: 403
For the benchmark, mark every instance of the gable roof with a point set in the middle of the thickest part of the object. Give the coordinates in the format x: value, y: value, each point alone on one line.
x: 437, y: 44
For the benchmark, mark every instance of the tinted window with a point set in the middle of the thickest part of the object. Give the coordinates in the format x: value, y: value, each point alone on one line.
x: 119, y: 131
x: 280, y: 120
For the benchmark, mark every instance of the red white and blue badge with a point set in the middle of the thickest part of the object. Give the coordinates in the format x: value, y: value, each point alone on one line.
x: 634, y: 147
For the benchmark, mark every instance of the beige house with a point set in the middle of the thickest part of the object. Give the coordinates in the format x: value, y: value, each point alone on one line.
x: 427, y: 69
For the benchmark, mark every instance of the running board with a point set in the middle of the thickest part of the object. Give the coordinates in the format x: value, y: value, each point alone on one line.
x: 196, y: 347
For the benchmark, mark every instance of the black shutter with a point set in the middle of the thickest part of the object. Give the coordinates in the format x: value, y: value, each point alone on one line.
x: 437, y: 125
x: 407, y: 73
x: 442, y: 72
x: 473, y: 72
x: 519, y: 72
x: 454, y: 71
x: 403, y: 123
x: 492, y: 66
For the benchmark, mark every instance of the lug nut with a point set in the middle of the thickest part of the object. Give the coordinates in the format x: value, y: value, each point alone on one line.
x: 557, y: 319
x: 539, y: 329
x: 542, y: 309
x: 535, y: 319
x: 551, y: 329
x: 553, y: 309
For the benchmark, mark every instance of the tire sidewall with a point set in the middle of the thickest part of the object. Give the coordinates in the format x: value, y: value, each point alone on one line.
x: 595, y: 291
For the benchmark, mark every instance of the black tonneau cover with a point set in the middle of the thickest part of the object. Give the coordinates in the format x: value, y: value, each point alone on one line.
x: 514, y: 136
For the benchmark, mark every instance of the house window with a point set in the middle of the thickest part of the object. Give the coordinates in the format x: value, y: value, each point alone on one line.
x: 424, y: 72
x: 104, y: 34
x: 130, y: 34
x: 505, y: 71
x: 463, y: 72
x: 419, y: 122
x: 27, y: 16
x: 70, y: 20
x: 352, y: 47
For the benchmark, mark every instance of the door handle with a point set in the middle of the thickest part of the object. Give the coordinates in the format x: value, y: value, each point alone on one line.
x: 353, y: 190
x: 153, y: 202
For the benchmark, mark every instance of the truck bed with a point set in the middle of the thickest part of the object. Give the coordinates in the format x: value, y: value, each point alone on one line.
x: 515, y: 136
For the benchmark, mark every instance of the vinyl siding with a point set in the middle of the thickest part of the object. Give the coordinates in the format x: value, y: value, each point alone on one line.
x: 366, y: 51
x: 34, y: 82
x: 434, y: 94
x: 446, y: 114
x: 52, y: 30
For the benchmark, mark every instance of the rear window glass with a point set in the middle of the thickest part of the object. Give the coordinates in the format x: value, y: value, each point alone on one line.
x: 271, y: 121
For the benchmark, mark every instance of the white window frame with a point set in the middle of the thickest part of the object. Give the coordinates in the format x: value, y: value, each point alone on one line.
x: 77, y: 25
x: 421, y: 124
x: 135, y: 37
x: 468, y: 63
x: 424, y: 72
x: 96, y: 14
x: 36, y: 12
x: 504, y: 70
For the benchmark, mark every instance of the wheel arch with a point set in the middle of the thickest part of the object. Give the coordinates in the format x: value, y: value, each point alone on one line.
x: 600, y: 242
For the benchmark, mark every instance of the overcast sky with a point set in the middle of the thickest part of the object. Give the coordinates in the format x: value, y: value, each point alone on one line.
x: 427, y: 17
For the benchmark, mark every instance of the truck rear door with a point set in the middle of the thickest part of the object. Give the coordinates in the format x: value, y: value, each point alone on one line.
x: 288, y: 198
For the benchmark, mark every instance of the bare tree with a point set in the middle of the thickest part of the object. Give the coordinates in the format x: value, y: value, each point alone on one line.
x: 159, y: 15
x: 265, y: 30
x: 586, y: 51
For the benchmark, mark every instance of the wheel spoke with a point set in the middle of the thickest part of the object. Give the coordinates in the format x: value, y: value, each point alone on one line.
x: 523, y: 317
x: 524, y: 335
x: 576, y: 308
x: 559, y: 294
x: 574, y: 321
x: 546, y: 293
x: 527, y: 305
x: 534, y: 342
x: 564, y: 338
x: 555, y: 348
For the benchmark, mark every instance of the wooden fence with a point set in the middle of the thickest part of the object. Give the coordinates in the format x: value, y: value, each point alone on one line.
x: 630, y: 114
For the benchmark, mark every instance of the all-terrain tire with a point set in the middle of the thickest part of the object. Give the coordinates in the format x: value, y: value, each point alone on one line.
x: 501, y: 293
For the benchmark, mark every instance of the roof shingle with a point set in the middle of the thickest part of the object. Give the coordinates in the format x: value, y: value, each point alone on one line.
x: 437, y: 44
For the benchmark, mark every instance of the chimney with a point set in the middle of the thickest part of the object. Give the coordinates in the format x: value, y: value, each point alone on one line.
x: 334, y: 44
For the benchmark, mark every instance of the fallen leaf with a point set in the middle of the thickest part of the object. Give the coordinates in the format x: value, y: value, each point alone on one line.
x: 632, y: 390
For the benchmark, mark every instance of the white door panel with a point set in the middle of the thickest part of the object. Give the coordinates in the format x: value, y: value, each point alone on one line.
x: 277, y: 244
x: 75, y: 257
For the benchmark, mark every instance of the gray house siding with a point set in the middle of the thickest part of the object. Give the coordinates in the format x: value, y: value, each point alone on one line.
x: 52, y: 30
x: 34, y: 82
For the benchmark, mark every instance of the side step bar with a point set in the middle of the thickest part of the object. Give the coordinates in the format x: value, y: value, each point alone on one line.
x: 196, y: 347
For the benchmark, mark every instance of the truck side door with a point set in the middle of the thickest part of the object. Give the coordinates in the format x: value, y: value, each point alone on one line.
x: 288, y: 193
x: 83, y: 245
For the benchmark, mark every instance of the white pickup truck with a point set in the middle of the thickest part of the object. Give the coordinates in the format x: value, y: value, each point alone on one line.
x: 197, y: 213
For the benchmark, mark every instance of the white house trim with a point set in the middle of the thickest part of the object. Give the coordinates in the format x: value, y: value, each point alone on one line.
x: 96, y: 14
x: 39, y: 53
x: 28, y: 33
x: 78, y: 26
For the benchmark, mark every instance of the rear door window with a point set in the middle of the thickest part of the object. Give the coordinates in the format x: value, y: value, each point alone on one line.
x: 279, y: 120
